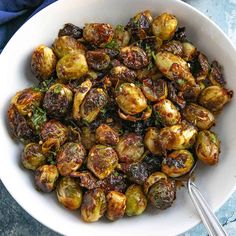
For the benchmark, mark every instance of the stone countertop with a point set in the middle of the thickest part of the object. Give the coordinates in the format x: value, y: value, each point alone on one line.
x: 15, y: 221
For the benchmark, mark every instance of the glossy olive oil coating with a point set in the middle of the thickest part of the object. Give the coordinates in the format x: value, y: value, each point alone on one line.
x: 119, y: 112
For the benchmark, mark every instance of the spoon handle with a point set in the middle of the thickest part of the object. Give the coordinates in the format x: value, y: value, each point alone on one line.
x: 209, y: 219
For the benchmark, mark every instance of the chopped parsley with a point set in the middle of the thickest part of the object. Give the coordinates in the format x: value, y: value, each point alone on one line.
x: 38, y: 118
x: 44, y: 86
x: 113, y: 45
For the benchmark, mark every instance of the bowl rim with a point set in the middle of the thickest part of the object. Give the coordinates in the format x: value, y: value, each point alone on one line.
x: 8, y: 186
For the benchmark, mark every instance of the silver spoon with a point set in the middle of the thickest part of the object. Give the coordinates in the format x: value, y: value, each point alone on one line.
x: 206, y: 214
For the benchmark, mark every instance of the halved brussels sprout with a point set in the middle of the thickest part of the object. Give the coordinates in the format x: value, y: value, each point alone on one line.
x: 202, y: 68
x: 164, y: 26
x: 45, y: 178
x: 198, y: 116
x: 43, y: 62
x: 87, y: 137
x: 71, y: 30
x: 189, y: 51
x: 93, y: 205
x: 180, y: 136
x: 97, y: 60
x: 32, y: 156
x: 174, y: 47
x: 150, y: 140
x: 92, y: 104
x: 26, y: 100
x: 69, y: 193
x: 134, y: 57
x: 70, y: 158
x: 72, y: 66
x: 154, y: 90
x: 167, y: 112
x: 130, y: 148
x: 216, y: 76
x: 123, y: 73
x: 130, y: 99
x: 102, y: 160
x: 177, y: 163
x: 19, y: 127
x: 136, y: 201
x: 174, y: 68
x: 116, y: 204
x: 207, y: 147
x: 54, y: 129
x: 214, y: 98
x: 152, y: 179
x: 140, y: 25
x: 85, y: 179
x: 121, y: 36
x: 98, y: 34
x: 58, y: 100
x: 66, y: 44
x: 135, y: 172
x: 79, y: 96
x: 162, y: 194
x: 106, y: 135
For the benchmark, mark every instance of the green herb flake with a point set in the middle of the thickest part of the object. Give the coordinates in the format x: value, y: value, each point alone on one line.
x: 38, y: 118
x: 57, y: 89
x: 120, y: 28
x: 158, y: 120
x: 153, y: 55
x: 113, y: 45
x: 181, y: 81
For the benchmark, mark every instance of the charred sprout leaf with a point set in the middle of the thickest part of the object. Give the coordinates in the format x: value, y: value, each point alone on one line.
x: 38, y: 118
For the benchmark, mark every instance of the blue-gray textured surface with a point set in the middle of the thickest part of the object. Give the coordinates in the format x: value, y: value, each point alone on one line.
x: 15, y: 221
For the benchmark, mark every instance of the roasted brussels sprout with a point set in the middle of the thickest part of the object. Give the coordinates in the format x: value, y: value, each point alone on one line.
x: 136, y: 201
x: 178, y: 163
x: 69, y: 193
x: 32, y: 156
x: 154, y: 90
x: 87, y: 137
x: 136, y: 172
x: 198, y: 116
x: 106, y: 135
x: 214, y: 98
x: 152, y: 179
x: 43, y: 62
x: 66, y: 44
x: 130, y: 148
x: 102, y: 160
x: 162, y: 194
x: 93, y: 205
x: 207, y: 147
x: 72, y: 66
x: 134, y: 57
x: 45, y: 178
x: 167, y: 112
x: 173, y: 95
x: 70, y: 158
x: 97, y: 60
x: 55, y: 130
x: 174, y: 47
x: 19, y: 127
x: 153, y: 162
x: 71, y: 30
x: 85, y: 179
x: 216, y: 76
x: 150, y: 140
x: 140, y: 25
x: 180, y: 136
x: 130, y: 99
x: 189, y: 51
x: 164, y: 26
x: 123, y: 73
x: 121, y: 36
x: 98, y: 34
x: 79, y: 96
x: 58, y: 100
x: 116, y: 204
x: 92, y: 104
x: 26, y: 100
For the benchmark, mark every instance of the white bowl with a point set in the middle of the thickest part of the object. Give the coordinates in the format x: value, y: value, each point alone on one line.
x: 216, y: 183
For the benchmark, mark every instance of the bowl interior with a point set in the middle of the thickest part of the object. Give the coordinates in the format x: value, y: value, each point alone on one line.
x: 216, y: 182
